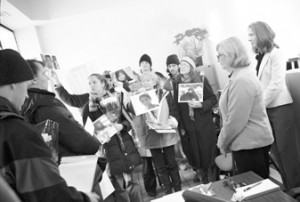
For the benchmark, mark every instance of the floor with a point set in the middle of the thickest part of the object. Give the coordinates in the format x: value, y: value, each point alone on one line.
x: 187, y: 177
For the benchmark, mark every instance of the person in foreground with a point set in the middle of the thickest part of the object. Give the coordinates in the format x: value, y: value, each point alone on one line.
x: 26, y: 163
x: 42, y: 105
x: 246, y: 130
x: 271, y: 71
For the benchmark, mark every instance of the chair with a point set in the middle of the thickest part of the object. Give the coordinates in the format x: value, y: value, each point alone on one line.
x: 293, y: 83
x: 6, y: 193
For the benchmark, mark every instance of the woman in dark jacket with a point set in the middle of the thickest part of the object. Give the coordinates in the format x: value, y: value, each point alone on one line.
x: 42, y: 105
x: 121, y: 153
x: 197, y: 123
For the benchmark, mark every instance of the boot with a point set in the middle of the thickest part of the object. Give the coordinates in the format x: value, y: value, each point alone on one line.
x: 166, y: 183
x: 176, y: 181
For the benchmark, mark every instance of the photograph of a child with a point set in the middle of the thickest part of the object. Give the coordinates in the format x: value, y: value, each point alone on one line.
x: 144, y: 102
x: 103, y: 129
x: 50, y: 61
x: 124, y: 76
x: 190, y: 92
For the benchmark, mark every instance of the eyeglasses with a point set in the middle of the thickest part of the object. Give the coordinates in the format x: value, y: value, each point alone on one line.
x: 218, y: 56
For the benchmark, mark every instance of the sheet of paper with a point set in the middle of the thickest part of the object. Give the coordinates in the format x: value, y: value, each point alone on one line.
x: 258, y: 188
x: 106, y: 186
x: 89, y: 126
x: 79, y: 171
x: 177, y: 196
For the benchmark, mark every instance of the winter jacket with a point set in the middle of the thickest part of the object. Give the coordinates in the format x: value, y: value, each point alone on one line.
x: 26, y: 162
x: 119, y: 160
x: 73, y: 139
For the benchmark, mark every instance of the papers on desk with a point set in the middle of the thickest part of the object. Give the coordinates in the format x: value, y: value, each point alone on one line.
x: 177, y: 196
x: 254, y: 190
x: 79, y: 171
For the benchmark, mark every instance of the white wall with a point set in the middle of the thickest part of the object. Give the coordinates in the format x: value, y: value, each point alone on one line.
x: 28, y: 43
x: 116, y: 37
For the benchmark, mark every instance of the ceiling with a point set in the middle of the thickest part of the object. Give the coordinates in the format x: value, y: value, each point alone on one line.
x: 19, y: 13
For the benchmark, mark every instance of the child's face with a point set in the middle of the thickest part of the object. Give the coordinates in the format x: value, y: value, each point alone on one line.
x: 147, y: 83
x: 145, y: 67
x: 146, y: 101
x: 121, y: 76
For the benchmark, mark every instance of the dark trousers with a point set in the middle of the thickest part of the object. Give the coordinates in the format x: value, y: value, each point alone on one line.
x: 167, y: 168
x: 149, y: 175
x: 256, y: 160
x: 284, y: 147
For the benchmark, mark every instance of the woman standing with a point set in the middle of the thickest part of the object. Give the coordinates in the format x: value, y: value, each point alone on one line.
x: 197, y: 123
x: 246, y: 130
x: 271, y: 70
x: 122, y: 156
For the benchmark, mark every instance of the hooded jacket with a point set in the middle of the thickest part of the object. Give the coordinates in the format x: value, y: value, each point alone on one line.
x: 73, y: 139
x: 26, y: 162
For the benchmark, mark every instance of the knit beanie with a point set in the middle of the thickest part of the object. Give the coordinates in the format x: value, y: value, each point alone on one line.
x: 190, y: 61
x: 13, y: 68
x: 172, y: 59
x: 145, y: 58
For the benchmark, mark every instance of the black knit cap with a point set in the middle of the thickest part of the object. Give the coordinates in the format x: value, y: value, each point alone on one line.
x: 146, y: 58
x: 172, y: 59
x: 13, y: 68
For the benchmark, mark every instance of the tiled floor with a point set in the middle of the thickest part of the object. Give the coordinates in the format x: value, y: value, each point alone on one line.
x: 187, y: 177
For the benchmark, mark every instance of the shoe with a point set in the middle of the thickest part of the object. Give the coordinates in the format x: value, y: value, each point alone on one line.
x: 152, y: 194
x: 197, y: 177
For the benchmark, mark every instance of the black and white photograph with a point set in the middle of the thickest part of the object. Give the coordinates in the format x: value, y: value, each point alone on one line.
x: 144, y: 102
x: 190, y: 92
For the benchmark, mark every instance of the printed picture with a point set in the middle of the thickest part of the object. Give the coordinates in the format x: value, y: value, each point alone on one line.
x: 104, y: 129
x: 144, y: 102
x: 190, y: 92
x: 123, y: 76
x: 50, y: 61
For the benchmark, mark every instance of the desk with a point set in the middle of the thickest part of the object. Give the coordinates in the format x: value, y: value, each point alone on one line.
x: 226, y: 194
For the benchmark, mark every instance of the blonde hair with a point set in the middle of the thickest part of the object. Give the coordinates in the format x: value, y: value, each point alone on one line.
x: 236, y: 50
x: 264, y: 36
x: 150, y: 75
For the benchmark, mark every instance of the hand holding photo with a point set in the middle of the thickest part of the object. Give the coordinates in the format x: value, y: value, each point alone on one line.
x: 104, y: 129
x: 188, y: 92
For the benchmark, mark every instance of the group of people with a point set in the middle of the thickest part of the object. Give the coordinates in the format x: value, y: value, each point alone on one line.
x: 255, y: 108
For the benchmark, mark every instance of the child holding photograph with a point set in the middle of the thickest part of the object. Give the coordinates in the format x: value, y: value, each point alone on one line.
x: 161, y: 145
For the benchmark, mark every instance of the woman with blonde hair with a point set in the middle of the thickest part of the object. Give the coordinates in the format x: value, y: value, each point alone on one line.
x: 246, y: 131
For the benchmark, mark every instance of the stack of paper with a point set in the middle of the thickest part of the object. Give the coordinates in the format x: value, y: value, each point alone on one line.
x: 258, y: 188
x: 79, y: 171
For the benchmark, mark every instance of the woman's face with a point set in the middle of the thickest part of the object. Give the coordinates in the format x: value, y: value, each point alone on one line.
x: 121, y: 76
x: 173, y: 69
x: 252, y: 38
x: 147, y: 83
x: 42, y: 76
x: 184, y: 68
x: 223, y: 60
x: 96, y: 86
